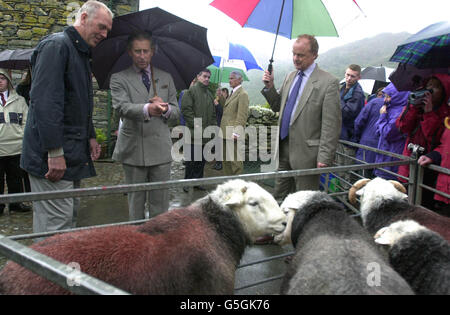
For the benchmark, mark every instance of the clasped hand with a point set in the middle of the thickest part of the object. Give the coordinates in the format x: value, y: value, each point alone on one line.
x: 157, y: 106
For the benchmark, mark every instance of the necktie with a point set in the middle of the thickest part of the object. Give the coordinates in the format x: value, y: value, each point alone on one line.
x: 3, y: 99
x: 285, y: 121
x: 145, y: 80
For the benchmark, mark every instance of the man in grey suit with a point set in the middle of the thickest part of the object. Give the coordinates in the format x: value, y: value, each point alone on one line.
x: 145, y: 98
x: 310, y: 117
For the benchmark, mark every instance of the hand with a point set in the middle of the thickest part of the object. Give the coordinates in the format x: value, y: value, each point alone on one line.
x: 428, y: 102
x: 56, y: 168
x: 268, y: 79
x: 383, y: 109
x: 96, y: 149
x: 424, y: 160
x: 320, y: 165
x: 157, y: 107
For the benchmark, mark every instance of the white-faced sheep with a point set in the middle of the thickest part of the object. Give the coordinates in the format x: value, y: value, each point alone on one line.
x: 383, y: 202
x: 193, y: 250
x: 420, y: 256
x: 334, y: 254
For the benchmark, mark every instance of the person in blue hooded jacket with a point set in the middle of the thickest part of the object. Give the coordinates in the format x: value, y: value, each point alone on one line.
x: 365, y: 132
x: 390, y: 138
x: 352, y: 102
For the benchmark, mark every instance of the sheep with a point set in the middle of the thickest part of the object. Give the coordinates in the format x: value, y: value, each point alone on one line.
x: 192, y: 250
x: 383, y: 202
x: 419, y: 255
x: 334, y: 254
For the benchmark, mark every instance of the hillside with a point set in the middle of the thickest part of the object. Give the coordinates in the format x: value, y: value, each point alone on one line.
x: 372, y: 51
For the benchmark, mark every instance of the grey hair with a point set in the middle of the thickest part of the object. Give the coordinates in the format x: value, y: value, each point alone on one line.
x: 237, y: 74
x: 91, y: 7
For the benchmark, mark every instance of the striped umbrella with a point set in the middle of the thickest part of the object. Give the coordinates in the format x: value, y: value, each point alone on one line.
x: 236, y: 58
x: 429, y: 48
x: 287, y: 18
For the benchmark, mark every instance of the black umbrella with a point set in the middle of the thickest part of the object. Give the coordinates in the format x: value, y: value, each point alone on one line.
x: 18, y: 59
x: 409, y: 78
x: 181, y: 46
x: 376, y: 73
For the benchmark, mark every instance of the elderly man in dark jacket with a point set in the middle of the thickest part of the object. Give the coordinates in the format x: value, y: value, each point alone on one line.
x: 59, y: 142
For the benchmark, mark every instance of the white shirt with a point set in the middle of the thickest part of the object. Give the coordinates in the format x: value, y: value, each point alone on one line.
x: 236, y: 88
x: 306, y: 74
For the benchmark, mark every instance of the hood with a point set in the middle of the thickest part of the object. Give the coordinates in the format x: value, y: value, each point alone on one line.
x: 6, y: 74
x: 445, y: 80
x: 397, y: 98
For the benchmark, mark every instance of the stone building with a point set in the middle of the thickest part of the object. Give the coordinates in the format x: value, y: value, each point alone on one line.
x: 24, y: 22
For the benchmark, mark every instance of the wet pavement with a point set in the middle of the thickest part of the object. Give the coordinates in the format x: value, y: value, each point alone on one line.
x: 114, y: 208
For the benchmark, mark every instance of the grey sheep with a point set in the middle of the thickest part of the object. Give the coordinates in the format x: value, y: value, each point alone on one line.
x: 419, y: 255
x: 333, y: 253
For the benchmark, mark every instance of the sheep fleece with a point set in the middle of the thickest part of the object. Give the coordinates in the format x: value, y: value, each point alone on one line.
x: 423, y: 259
x: 178, y: 252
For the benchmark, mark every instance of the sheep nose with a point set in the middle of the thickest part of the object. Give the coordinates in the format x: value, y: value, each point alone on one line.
x: 284, y: 223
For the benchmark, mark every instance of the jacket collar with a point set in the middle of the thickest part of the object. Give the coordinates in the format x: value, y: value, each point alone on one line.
x: 78, y: 42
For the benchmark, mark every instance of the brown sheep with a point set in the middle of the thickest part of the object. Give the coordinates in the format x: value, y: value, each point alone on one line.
x: 194, y: 250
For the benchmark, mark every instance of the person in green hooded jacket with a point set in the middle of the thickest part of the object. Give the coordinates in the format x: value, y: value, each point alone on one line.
x: 197, y: 107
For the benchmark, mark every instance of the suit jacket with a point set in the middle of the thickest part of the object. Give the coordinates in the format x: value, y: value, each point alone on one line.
x: 235, y: 112
x: 315, y: 128
x: 142, y: 142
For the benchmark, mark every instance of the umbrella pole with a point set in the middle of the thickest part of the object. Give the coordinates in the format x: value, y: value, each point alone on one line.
x: 270, y: 67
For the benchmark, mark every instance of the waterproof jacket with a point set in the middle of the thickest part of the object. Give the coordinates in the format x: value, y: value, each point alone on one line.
x: 424, y: 129
x: 198, y: 102
x: 390, y: 138
x: 441, y: 156
x: 60, y: 112
x: 13, y: 117
x: 365, y: 129
x: 352, y: 103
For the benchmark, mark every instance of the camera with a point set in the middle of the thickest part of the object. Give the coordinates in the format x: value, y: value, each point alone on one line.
x: 416, y: 97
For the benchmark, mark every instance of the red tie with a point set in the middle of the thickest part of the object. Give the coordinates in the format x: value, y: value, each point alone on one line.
x: 3, y: 100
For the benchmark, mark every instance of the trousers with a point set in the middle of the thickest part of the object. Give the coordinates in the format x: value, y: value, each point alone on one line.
x: 55, y: 214
x: 158, y: 199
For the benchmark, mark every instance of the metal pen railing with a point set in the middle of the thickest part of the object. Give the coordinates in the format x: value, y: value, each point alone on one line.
x: 58, y: 273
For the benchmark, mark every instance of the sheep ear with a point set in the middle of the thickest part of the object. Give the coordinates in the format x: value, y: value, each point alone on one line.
x: 360, y: 192
x: 356, y: 190
x: 383, y: 237
x: 233, y: 200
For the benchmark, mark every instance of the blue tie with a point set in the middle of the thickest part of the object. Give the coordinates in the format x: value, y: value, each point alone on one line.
x: 288, y: 108
x: 145, y: 80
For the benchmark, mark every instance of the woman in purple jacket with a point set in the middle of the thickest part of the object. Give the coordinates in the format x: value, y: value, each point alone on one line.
x: 365, y: 132
x: 391, y: 139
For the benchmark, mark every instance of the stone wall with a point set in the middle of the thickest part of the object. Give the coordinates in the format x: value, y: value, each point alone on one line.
x: 24, y: 23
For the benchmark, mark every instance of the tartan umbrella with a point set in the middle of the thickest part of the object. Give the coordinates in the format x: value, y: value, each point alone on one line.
x: 429, y: 48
